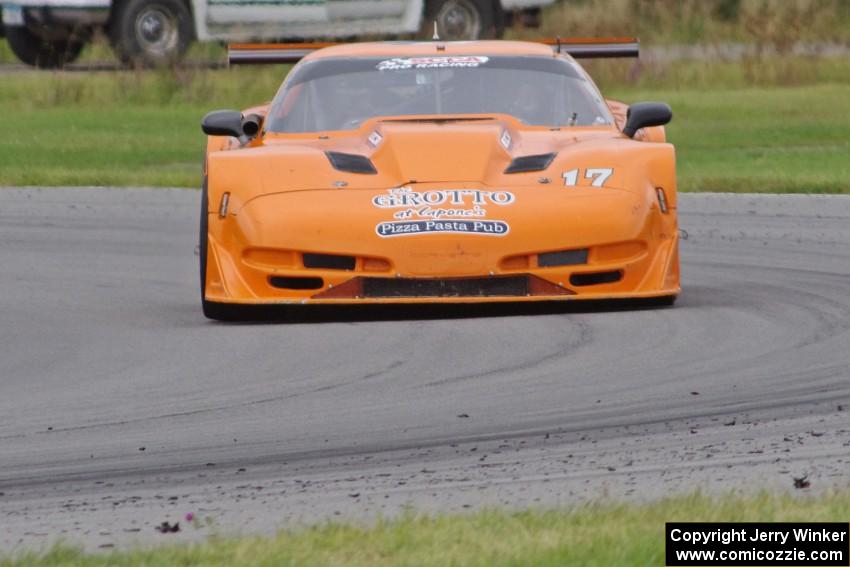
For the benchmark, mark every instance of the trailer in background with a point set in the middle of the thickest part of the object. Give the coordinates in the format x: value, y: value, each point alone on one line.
x: 52, y: 33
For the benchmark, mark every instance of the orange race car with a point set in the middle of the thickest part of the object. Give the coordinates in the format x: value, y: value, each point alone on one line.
x: 483, y: 171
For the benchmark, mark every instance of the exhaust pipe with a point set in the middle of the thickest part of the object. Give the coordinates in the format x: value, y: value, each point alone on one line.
x: 251, y: 125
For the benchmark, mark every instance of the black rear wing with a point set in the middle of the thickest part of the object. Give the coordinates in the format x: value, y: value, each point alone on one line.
x: 265, y: 53
x: 580, y: 48
x: 596, y: 47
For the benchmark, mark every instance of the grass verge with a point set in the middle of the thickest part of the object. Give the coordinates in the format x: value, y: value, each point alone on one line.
x: 593, y: 535
x: 759, y: 140
x: 775, y: 23
x: 773, y: 126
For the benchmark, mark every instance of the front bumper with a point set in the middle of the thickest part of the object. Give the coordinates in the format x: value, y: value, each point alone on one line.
x: 649, y: 276
x: 292, y: 249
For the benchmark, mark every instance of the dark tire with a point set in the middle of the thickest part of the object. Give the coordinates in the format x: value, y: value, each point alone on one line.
x: 663, y: 301
x: 42, y: 53
x: 203, y: 240
x: 151, y: 33
x: 464, y: 19
x: 211, y: 309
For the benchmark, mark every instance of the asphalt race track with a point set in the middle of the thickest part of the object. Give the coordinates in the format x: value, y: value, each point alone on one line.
x: 122, y: 407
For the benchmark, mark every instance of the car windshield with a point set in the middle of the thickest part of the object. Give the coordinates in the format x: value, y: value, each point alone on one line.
x: 340, y: 93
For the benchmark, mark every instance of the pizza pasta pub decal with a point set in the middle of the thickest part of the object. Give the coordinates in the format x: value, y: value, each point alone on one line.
x: 460, y: 211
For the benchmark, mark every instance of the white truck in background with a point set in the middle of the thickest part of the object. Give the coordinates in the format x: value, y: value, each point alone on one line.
x: 52, y: 33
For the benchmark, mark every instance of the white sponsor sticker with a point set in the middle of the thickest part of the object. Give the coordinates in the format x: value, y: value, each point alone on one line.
x: 411, y: 228
x: 506, y: 140
x: 449, y: 61
x: 13, y: 15
x: 375, y: 139
x: 441, y: 211
x: 402, y: 197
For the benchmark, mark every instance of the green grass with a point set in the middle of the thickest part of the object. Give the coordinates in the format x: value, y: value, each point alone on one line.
x: 778, y: 125
x: 593, y: 535
x: 142, y: 146
x: 115, y: 128
x: 776, y: 23
x: 98, y: 50
x: 791, y: 140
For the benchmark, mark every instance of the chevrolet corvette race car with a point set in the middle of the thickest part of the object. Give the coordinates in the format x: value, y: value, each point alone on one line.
x: 485, y: 171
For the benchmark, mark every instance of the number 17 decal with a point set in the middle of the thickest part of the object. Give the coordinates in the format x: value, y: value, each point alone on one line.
x: 599, y: 176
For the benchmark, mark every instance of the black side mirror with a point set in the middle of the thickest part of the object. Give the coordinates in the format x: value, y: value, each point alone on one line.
x: 644, y: 114
x: 223, y: 123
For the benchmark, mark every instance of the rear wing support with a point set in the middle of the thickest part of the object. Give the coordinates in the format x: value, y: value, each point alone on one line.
x: 580, y: 48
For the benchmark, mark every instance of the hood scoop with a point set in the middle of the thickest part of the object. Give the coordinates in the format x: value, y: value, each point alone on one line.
x: 451, y: 150
x: 352, y: 163
x: 525, y: 164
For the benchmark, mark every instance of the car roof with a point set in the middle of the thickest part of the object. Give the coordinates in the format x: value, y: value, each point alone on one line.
x: 434, y: 48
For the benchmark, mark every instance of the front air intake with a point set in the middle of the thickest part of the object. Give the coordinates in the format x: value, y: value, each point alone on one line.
x: 295, y: 282
x: 329, y: 261
x: 596, y: 278
x: 525, y: 164
x: 523, y: 285
x: 352, y: 163
x: 562, y: 258
x: 511, y: 286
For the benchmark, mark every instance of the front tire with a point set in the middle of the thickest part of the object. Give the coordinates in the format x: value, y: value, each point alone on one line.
x: 464, y: 19
x: 663, y: 301
x: 42, y: 53
x: 151, y: 33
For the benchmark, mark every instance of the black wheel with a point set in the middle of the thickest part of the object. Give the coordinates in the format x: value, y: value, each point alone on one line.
x: 42, y: 53
x: 464, y: 19
x: 151, y: 33
x: 203, y: 239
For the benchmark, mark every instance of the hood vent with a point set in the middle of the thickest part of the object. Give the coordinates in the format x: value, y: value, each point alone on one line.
x: 329, y: 261
x: 351, y: 163
x: 530, y: 163
x: 562, y: 258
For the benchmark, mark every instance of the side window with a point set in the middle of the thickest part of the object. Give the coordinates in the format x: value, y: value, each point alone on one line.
x: 285, y: 110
